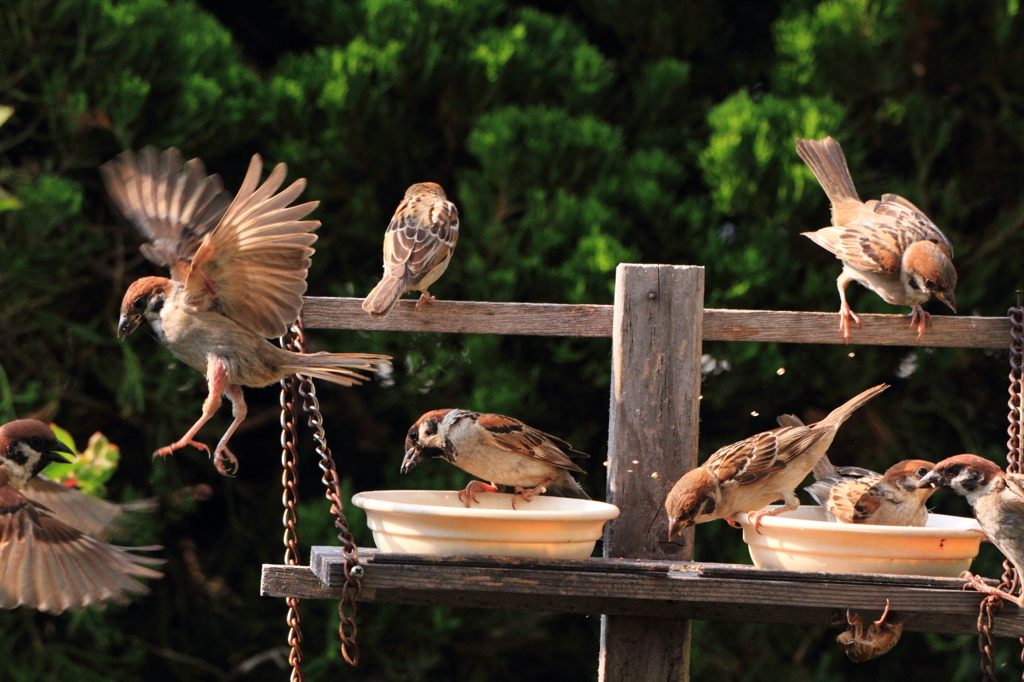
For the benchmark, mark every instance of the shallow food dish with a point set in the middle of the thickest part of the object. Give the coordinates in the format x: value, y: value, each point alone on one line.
x: 436, y: 522
x: 802, y: 540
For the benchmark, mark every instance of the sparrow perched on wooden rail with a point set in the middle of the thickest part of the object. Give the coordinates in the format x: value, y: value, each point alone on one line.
x: 47, y: 560
x: 855, y: 495
x: 418, y: 245
x: 499, y: 449
x: 238, y: 272
x: 751, y: 474
x: 997, y: 498
x: 889, y: 246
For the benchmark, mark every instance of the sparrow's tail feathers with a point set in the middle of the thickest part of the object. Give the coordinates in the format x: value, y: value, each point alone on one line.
x: 822, y: 470
x: 384, y: 296
x: 566, y: 486
x: 843, y: 412
x: 827, y: 162
x: 337, y: 368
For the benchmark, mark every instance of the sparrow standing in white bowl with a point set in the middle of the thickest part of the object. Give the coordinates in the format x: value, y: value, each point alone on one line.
x: 751, y: 474
x: 418, y: 245
x: 46, y: 561
x: 889, y: 246
x: 855, y: 495
x: 498, y: 449
x: 238, y: 273
x: 997, y: 499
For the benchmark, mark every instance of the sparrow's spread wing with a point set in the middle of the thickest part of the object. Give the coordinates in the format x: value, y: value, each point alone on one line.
x: 173, y: 207
x: 48, y: 565
x: 872, y: 237
x: 420, y: 237
x: 753, y: 459
x: 252, y: 266
x: 515, y: 436
x: 98, y: 518
x: 855, y: 500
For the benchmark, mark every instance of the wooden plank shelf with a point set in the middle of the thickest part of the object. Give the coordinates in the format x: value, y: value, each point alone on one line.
x: 553, y: 319
x: 636, y: 587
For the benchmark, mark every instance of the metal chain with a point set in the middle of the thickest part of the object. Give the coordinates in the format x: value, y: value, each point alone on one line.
x: 353, y: 570
x: 1010, y: 580
x: 290, y: 500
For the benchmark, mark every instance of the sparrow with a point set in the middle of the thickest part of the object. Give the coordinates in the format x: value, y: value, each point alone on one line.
x: 748, y: 475
x: 47, y: 562
x: 997, y: 499
x: 418, y: 245
x: 861, y: 643
x: 502, y: 450
x: 855, y: 495
x: 889, y: 246
x: 238, y: 272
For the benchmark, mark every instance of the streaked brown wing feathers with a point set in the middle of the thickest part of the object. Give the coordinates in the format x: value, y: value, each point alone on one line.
x: 515, y: 436
x: 173, y: 207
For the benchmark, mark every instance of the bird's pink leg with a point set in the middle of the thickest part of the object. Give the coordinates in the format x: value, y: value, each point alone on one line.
x: 425, y: 297
x: 238, y: 411
x: 527, y: 494
x: 920, y: 319
x: 791, y: 502
x: 978, y: 584
x: 728, y: 519
x: 216, y: 375
x: 473, y: 489
x: 846, y: 315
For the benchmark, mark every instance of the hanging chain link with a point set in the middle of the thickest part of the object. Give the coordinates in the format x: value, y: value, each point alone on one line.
x: 1010, y: 579
x: 353, y: 570
x: 290, y: 500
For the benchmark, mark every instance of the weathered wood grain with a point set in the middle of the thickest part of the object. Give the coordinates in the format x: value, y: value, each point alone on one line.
x: 654, y: 594
x: 652, y: 440
x: 553, y: 319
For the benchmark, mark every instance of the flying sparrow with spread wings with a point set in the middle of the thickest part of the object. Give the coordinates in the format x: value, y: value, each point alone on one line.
x: 997, y: 498
x: 855, y: 495
x: 47, y: 561
x: 748, y: 475
x: 418, y: 245
x: 889, y: 246
x: 499, y: 449
x: 238, y: 272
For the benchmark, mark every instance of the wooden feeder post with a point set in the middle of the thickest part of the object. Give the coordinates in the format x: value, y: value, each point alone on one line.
x: 652, y: 440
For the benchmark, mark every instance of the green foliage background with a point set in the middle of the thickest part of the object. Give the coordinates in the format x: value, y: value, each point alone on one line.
x: 572, y: 137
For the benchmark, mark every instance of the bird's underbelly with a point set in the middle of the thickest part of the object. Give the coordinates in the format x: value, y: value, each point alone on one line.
x: 506, y: 468
x: 248, y: 358
x: 888, y: 286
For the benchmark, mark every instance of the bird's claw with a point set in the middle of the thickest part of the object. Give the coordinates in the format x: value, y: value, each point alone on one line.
x: 425, y: 298
x: 921, y: 319
x: 732, y: 522
x: 846, y: 317
x: 754, y: 518
x: 527, y: 494
x: 222, y: 455
x: 168, y: 449
x: 470, y: 492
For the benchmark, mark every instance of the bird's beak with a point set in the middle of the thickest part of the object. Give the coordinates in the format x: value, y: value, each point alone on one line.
x: 53, y: 453
x: 930, y: 480
x: 675, y: 527
x: 948, y: 298
x: 412, y: 458
x: 127, y: 324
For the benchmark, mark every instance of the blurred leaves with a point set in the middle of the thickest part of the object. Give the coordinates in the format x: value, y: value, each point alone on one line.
x: 91, y: 468
x: 572, y: 138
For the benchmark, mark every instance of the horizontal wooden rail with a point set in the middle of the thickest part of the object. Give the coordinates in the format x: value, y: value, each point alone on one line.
x: 555, y: 319
x: 633, y: 587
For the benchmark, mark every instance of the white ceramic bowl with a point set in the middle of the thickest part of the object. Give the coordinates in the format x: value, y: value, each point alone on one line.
x: 802, y: 540
x: 436, y: 522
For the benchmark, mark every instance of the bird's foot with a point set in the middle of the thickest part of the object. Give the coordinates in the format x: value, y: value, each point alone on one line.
x: 754, y: 518
x: 527, y: 494
x: 222, y: 455
x: 168, y: 449
x: 473, y: 489
x: 847, y: 318
x: 731, y: 522
x: 424, y: 298
x: 978, y: 584
x: 920, y: 319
